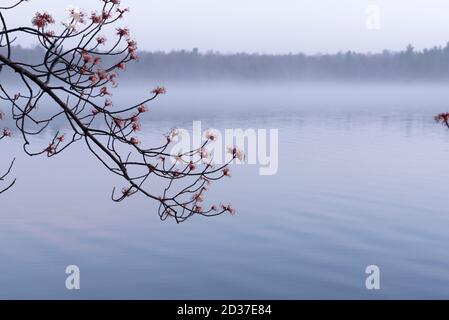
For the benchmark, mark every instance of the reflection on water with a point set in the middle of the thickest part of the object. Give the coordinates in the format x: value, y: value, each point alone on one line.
x: 361, y: 181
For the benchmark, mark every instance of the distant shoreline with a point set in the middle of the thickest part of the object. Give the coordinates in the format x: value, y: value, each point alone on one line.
x: 408, y: 65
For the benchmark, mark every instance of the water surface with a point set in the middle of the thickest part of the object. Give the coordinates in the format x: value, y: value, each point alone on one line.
x: 362, y: 180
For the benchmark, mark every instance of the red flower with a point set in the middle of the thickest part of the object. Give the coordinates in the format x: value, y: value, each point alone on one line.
x: 142, y: 109
x: 228, y: 208
x: 123, y: 32
x: 134, y: 141
x: 126, y: 192
x: 51, y: 150
x: 107, y: 103
x: 136, y: 126
x: 227, y: 172
x: 93, y: 79
x: 86, y: 57
x: 104, y: 92
x: 211, y: 136
x: 101, y: 40
x: 112, y: 76
x: 197, y: 197
x: 118, y: 122
x: 132, y: 46
x: 41, y: 20
x: 105, y: 15
x: 101, y: 74
x: 443, y: 118
x: 198, y: 209
x: 236, y: 153
x: 121, y: 12
x: 96, y: 18
x: 7, y: 132
x: 159, y: 90
x: 50, y: 34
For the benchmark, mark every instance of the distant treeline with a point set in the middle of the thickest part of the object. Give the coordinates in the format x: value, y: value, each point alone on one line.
x: 409, y: 64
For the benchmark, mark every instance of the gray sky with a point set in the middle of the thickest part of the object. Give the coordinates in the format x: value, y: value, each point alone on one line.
x: 272, y: 26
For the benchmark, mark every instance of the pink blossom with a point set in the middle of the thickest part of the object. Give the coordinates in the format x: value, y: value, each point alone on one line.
x: 51, y: 150
x: 159, y: 90
x: 211, y: 136
x: 142, y: 109
x: 228, y: 208
x: 136, y: 126
x: 123, y: 32
x: 49, y: 34
x: 87, y: 58
x: 134, y: 141
x: 126, y: 192
x: 121, y: 12
x: 227, y: 172
x: 105, y: 15
x: 236, y: 153
x: 7, y: 132
x: 107, y: 103
x: 197, y: 197
x: 104, y: 92
x: 96, y: 60
x: 41, y: 20
x: 101, y: 74
x: 101, y: 40
x: 93, y: 79
x: 118, y: 122
x: 198, y: 209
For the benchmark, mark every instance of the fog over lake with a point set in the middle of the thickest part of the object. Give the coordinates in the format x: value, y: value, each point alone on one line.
x: 362, y: 180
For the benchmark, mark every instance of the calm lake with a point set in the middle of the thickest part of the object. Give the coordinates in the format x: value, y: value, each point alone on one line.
x: 363, y: 180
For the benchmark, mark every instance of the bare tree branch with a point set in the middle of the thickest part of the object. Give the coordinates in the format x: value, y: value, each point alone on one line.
x: 3, y: 177
x: 74, y: 79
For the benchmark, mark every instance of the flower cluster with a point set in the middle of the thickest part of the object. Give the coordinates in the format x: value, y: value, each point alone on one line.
x: 159, y: 90
x: 41, y: 20
x: 443, y: 118
x: 5, y: 132
x: 236, y: 153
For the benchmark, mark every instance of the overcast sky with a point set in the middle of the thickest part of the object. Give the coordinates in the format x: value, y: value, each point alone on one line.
x: 273, y: 26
